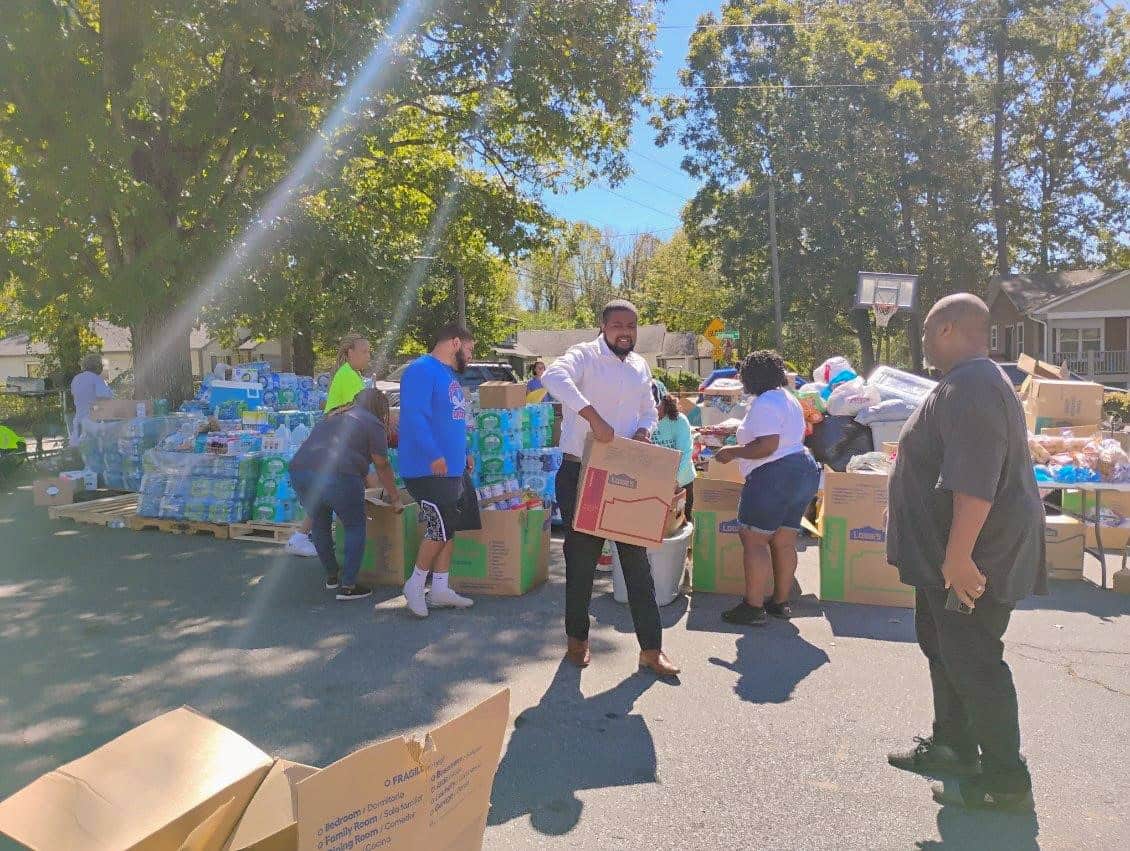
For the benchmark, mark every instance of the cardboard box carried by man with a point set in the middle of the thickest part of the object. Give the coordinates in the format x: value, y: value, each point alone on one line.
x: 182, y: 782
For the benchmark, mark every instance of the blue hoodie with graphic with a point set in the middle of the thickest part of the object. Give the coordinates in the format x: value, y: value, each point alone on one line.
x: 433, y: 419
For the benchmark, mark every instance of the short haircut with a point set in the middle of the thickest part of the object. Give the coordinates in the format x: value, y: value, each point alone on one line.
x: 763, y: 371
x: 452, y: 331
x: 617, y: 304
x: 92, y: 362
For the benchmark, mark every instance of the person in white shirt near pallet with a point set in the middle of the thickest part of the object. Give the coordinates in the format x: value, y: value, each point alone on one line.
x: 605, y: 389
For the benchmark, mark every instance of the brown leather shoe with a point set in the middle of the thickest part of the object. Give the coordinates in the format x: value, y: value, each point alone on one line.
x: 578, y: 653
x: 657, y: 661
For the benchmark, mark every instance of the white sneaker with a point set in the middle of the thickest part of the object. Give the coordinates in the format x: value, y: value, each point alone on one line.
x: 301, y: 545
x: 448, y: 599
x: 415, y: 598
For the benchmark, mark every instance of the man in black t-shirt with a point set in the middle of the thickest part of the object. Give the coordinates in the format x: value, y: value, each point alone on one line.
x: 966, y: 525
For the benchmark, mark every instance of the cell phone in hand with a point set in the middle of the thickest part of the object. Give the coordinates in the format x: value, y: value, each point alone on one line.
x: 954, y: 604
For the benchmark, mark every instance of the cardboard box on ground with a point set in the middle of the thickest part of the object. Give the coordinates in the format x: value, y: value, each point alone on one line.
x: 1063, y: 539
x: 1062, y: 403
x: 853, y: 542
x: 717, y: 554
x: 508, y: 557
x: 627, y: 491
x: 56, y: 491
x: 182, y: 782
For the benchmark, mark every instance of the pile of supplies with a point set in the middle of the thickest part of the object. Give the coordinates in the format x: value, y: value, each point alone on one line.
x: 1066, y: 459
x: 515, y: 465
x: 256, y: 386
x: 112, y: 451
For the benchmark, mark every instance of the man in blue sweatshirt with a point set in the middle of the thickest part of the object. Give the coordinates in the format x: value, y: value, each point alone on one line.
x: 435, y: 465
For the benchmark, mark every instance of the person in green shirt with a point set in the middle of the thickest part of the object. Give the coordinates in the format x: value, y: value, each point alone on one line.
x: 674, y: 432
x: 353, y: 355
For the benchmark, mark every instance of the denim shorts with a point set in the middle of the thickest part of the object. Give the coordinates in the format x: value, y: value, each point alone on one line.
x: 776, y: 495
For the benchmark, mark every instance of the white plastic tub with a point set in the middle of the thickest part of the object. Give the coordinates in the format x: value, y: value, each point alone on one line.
x: 668, y: 563
x: 886, y: 433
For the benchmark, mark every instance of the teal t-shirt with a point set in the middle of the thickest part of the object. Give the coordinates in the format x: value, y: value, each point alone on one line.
x: 676, y: 434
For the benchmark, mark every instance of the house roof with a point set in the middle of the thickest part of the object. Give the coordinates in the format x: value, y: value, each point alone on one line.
x: 115, y: 339
x: 1034, y: 291
x: 650, y: 340
x: 686, y: 344
x: 19, y: 345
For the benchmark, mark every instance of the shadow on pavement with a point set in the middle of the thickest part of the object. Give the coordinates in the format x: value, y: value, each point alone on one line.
x: 1080, y: 596
x: 881, y: 623
x: 569, y: 742
x: 962, y: 830
x: 771, y: 662
x: 102, y: 629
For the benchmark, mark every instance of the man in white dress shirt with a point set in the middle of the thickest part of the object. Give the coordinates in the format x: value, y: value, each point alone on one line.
x: 605, y: 389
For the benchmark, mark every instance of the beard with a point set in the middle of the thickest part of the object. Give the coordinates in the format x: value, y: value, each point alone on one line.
x: 460, y: 361
x: 620, y: 351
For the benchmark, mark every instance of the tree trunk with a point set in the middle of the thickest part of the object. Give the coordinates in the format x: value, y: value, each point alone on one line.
x: 914, y: 340
x: 67, y: 347
x: 286, y: 354
x: 162, y: 362
x: 302, y: 344
x: 999, y: 214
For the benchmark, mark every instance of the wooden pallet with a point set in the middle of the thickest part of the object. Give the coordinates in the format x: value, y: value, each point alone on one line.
x: 263, y: 533
x: 220, y: 531
x: 97, y: 512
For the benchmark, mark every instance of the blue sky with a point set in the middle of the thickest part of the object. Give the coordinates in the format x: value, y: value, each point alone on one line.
x: 651, y: 199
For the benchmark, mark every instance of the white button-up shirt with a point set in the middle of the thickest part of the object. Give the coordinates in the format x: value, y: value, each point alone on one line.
x: 619, y: 390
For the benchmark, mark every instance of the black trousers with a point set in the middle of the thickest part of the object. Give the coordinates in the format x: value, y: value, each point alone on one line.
x: 581, y: 555
x: 974, y: 697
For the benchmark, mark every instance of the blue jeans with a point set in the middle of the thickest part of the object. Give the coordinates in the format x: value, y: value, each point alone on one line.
x: 323, y: 495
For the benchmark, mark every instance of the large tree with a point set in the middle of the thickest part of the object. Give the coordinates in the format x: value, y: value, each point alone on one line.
x: 142, y: 137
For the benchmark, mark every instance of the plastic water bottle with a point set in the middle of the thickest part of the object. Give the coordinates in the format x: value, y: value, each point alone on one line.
x: 299, y: 434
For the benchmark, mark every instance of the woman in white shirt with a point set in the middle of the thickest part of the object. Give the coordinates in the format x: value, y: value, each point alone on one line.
x: 781, y: 480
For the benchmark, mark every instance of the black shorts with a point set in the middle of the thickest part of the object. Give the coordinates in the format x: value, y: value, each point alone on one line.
x: 446, y: 505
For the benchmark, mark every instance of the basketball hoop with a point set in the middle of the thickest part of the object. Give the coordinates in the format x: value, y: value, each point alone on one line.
x: 884, y: 311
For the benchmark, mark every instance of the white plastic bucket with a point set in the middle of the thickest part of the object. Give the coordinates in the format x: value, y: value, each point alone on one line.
x: 668, y: 563
x: 886, y: 433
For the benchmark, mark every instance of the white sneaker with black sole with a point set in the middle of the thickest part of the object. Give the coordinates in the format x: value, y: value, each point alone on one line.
x: 300, y: 544
x: 353, y: 592
x: 448, y: 599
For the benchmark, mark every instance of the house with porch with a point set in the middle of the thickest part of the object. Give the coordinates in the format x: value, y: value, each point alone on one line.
x: 1081, y: 317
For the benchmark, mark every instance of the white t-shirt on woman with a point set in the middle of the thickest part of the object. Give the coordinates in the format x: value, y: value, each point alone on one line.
x: 773, y: 412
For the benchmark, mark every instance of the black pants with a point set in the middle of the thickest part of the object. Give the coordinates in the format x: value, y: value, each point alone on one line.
x: 690, y: 501
x: 581, y: 555
x: 974, y: 698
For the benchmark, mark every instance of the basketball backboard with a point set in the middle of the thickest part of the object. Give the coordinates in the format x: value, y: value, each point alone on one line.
x: 886, y: 288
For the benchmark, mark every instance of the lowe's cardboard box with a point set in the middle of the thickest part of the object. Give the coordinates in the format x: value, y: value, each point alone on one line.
x: 717, y: 552
x: 627, y: 490
x: 853, y: 542
x: 182, y: 782
x: 507, y: 557
x: 1063, y: 539
x: 1062, y: 403
x: 392, y: 542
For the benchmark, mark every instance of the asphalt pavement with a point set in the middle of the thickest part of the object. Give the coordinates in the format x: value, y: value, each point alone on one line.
x: 771, y: 739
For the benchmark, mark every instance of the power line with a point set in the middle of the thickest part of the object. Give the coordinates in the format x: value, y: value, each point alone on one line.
x: 664, y: 165
x: 635, y: 176
x: 632, y: 200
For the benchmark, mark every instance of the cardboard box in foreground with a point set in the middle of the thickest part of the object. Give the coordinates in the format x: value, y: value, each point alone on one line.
x: 853, y: 542
x: 183, y: 782
x: 391, y: 543
x: 627, y: 490
x: 56, y: 491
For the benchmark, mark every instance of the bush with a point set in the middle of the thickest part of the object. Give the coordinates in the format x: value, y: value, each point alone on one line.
x: 1117, y: 404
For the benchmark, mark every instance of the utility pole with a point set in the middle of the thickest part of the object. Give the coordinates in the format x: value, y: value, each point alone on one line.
x: 773, y: 261
x: 461, y: 297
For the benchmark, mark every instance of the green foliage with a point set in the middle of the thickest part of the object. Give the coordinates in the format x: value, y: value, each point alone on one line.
x: 678, y: 381
x: 1117, y: 404
x: 683, y: 288
x: 139, y: 138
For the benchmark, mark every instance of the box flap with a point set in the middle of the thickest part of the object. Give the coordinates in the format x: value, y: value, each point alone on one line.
x: 150, y: 788
x: 270, y: 823
x: 1039, y: 369
x: 403, y: 794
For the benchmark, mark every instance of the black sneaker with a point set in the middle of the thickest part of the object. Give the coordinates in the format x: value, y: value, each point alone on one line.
x: 744, y: 614
x: 354, y: 592
x: 930, y: 759
x: 333, y: 580
x: 976, y: 793
x: 779, y: 610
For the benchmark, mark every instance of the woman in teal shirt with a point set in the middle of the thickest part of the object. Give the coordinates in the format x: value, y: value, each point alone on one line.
x: 674, y: 432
